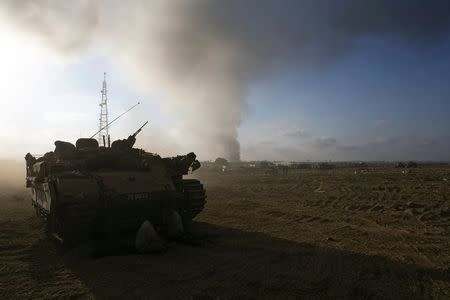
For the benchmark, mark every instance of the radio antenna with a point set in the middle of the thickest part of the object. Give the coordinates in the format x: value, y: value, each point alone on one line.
x: 103, y: 119
x: 107, y: 125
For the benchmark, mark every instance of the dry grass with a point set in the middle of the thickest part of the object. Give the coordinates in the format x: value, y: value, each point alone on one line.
x: 310, y: 234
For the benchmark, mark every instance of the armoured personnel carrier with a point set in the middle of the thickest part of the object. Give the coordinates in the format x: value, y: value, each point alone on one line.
x: 86, y: 191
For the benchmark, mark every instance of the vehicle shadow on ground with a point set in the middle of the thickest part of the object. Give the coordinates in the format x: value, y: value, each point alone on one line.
x: 235, y: 264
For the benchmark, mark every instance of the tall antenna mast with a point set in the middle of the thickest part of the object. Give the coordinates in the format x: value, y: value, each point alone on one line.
x: 103, y: 133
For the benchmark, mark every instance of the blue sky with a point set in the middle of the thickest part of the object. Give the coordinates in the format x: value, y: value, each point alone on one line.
x: 381, y: 90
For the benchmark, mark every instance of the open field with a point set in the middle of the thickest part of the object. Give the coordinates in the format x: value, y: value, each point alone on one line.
x: 309, y: 234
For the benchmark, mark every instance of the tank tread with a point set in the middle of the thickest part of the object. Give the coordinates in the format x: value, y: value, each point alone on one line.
x: 40, y: 211
x: 74, y: 222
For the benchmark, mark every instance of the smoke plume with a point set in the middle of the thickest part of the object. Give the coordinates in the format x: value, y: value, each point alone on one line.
x: 202, y: 56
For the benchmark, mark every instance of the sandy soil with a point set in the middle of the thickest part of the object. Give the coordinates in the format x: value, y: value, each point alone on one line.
x: 310, y: 234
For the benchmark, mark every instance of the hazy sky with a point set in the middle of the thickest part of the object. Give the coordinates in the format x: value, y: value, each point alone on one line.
x: 278, y: 80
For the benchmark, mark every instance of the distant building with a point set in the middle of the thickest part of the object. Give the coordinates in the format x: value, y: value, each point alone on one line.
x: 301, y: 166
x: 220, y: 161
x: 264, y: 164
x: 322, y: 166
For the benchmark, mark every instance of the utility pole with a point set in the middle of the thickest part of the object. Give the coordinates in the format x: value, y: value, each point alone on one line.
x: 103, y: 134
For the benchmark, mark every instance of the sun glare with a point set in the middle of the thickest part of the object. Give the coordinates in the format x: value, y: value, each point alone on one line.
x: 21, y: 61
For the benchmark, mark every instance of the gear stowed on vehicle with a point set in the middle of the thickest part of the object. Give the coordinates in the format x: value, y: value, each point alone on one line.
x: 91, y: 192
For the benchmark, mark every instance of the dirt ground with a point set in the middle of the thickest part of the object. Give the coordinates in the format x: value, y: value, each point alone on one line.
x: 371, y: 234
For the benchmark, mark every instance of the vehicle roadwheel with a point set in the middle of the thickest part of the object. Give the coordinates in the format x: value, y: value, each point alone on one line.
x: 195, y: 196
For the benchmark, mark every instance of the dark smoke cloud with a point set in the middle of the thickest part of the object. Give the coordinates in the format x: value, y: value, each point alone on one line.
x: 203, y: 55
x: 66, y: 25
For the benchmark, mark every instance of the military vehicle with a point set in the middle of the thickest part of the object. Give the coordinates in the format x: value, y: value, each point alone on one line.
x: 86, y: 191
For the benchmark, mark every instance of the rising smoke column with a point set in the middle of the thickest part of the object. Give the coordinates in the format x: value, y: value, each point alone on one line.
x: 201, y: 56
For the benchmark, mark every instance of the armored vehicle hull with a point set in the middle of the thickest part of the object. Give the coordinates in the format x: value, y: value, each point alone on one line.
x: 91, y: 192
